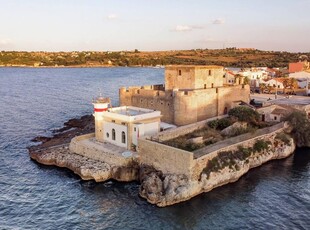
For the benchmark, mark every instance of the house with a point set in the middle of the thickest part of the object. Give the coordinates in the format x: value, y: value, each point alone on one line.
x: 275, y: 83
x: 298, y: 66
x: 229, y: 77
x: 273, y: 113
x: 302, y: 78
x: 122, y: 126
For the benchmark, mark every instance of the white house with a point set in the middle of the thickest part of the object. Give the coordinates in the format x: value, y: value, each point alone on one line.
x: 303, y: 78
x: 276, y: 83
x: 122, y: 126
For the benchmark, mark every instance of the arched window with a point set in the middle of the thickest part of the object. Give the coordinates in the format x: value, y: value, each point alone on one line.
x: 113, y: 134
x: 123, y: 137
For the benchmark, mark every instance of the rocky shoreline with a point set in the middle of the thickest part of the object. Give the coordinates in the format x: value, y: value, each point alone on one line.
x: 164, y: 190
x: 156, y: 187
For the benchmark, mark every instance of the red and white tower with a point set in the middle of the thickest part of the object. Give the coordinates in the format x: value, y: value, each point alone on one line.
x: 101, y: 105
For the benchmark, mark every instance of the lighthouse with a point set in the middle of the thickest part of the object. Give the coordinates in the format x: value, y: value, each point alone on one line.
x: 101, y: 105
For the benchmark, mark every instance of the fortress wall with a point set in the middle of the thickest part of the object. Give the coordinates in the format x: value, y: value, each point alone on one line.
x: 228, y: 95
x: 203, y: 78
x: 202, y: 156
x: 149, y: 99
x: 167, y: 159
x: 183, y: 130
x: 82, y: 145
x: 195, y: 106
x: 183, y: 81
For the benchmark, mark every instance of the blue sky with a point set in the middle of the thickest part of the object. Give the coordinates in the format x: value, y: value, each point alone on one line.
x: 66, y: 25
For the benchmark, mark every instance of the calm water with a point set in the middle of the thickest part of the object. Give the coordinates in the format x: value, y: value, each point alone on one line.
x: 36, y: 101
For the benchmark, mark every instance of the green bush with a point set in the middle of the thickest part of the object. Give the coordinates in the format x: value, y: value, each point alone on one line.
x: 261, y: 145
x: 284, y: 138
x: 244, y: 113
x: 301, y: 128
x: 220, y: 124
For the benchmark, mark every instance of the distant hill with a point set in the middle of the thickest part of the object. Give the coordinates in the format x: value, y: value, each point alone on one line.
x: 231, y: 57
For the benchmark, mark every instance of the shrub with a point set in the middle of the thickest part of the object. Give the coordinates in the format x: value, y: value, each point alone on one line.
x: 261, y: 145
x: 301, y: 128
x: 244, y: 113
x: 284, y: 138
x: 220, y: 124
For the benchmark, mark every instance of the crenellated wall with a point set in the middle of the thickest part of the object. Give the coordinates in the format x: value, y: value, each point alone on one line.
x: 186, y: 107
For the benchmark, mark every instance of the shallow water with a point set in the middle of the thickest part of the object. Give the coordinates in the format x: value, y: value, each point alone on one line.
x: 36, y: 101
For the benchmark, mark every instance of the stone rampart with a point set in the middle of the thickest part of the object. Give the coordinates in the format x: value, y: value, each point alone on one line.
x: 85, y: 145
x: 202, y: 156
x: 165, y: 158
x: 183, y: 130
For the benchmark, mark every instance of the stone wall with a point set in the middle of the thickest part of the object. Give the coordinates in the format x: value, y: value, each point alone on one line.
x: 151, y: 97
x: 165, y: 158
x: 171, y: 160
x: 202, y: 156
x: 82, y: 145
x: 183, y: 130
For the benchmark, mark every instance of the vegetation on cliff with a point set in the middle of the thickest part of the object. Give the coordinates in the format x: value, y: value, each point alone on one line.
x: 225, y: 57
x: 300, y: 128
x: 231, y: 158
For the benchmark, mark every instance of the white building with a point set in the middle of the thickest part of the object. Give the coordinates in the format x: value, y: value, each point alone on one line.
x: 122, y: 126
x: 275, y: 83
x: 303, y: 78
x: 254, y: 75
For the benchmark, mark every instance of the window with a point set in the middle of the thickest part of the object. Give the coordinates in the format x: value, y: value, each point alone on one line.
x: 107, y: 135
x: 210, y: 72
x: 275, y: 118
x: 113, y: 134
x: 113, y: 121
x: 205, y: 86
x: 135, y: 129
x: 123, y: 137
x: 212, y: 85
x: 180, y: 72
x: 123, y: 123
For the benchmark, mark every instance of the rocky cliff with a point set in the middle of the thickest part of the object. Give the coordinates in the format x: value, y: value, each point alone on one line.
x: 164, y: 190
x: 86, y: 168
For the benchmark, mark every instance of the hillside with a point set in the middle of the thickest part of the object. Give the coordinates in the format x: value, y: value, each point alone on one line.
x: 226, y: 57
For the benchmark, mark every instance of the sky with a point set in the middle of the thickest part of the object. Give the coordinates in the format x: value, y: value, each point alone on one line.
x: 150, y: 25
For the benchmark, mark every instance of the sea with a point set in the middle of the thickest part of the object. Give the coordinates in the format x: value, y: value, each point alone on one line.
x: 36, y: 101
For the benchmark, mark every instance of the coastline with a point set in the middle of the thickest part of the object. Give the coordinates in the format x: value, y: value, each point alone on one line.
x: 156, y: 187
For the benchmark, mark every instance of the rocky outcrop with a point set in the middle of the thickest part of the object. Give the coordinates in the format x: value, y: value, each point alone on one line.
x: 86, y: 168
x: 164, y: 190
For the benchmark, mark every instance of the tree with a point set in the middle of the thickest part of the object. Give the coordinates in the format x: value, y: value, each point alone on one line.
x: 244, y: 113
x: 300, y: 128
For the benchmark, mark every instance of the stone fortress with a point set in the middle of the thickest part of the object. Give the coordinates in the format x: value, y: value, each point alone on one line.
x: 190, y: 94
x: 128, y: 146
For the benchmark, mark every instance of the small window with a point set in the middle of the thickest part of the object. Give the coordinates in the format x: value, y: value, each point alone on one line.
x: 205, y: 86
x: 123, y: 123
x: 212, y: 85
x: 113, y: 121
x: 275, y: 118
x: 113, y: 134
x: 107, y: 135
x: 180, y: 72
x: 123, y: 137
x: 135, y: 129
x: 210, y: 72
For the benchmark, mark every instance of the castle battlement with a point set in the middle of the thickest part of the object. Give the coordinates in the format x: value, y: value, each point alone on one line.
x: 190, y: 94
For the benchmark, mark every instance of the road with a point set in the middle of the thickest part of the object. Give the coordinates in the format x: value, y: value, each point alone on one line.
x: 281, y: 99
